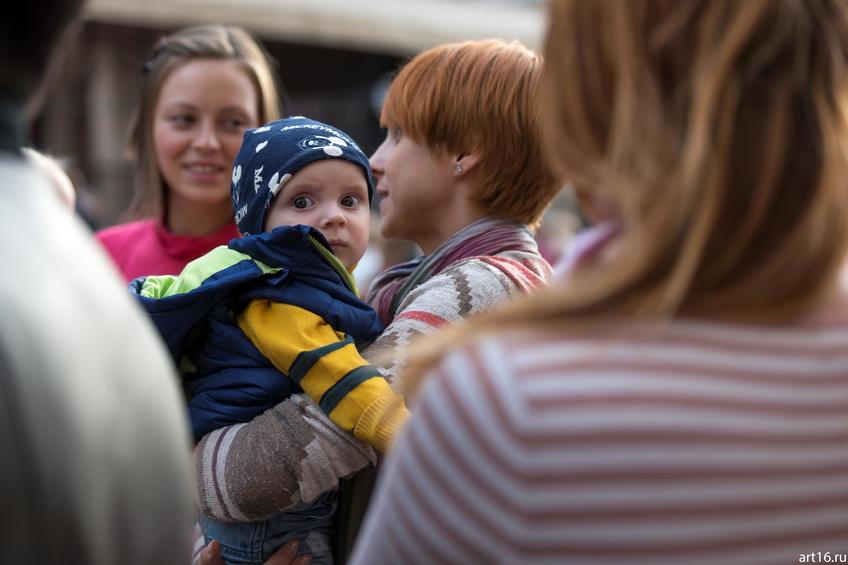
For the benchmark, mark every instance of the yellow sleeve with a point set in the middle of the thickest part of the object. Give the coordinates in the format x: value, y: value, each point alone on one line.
x: 327, y: 366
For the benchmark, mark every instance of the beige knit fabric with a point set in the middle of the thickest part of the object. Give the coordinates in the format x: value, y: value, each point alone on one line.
x: 293, y: 452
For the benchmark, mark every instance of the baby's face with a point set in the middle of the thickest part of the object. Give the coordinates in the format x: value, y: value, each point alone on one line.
x: 330, y: 195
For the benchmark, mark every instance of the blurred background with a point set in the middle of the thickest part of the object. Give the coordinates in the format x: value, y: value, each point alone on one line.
x: 335, y: 58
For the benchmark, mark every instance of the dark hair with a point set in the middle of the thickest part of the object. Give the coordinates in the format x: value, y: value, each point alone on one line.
x: 29, y: 34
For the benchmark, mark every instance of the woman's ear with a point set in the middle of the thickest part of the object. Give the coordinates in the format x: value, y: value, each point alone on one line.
x: 465, y: 162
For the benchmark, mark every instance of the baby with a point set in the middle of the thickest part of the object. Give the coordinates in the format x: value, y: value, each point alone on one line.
x: 276, y: 311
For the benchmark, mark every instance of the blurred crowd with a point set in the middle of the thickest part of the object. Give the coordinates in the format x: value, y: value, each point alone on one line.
x: 579, y: 306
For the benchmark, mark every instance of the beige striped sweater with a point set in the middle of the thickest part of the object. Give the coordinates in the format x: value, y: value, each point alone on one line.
x: 294, y: 453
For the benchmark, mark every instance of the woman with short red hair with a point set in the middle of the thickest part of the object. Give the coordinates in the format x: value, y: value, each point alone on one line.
x: 461, y: 174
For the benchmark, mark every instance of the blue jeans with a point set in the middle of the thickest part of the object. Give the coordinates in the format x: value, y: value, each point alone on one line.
x: 254, y: 542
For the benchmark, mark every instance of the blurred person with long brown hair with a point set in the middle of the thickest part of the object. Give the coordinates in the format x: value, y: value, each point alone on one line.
x: 202, y: 87
x: 682, y: 397
x: 461, y: 174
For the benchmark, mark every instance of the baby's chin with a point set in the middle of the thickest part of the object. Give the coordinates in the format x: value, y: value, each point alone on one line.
x: 343, y: 254
x: 350, y: 266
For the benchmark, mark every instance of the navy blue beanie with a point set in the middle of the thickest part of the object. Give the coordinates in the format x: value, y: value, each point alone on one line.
x: 270, y: 155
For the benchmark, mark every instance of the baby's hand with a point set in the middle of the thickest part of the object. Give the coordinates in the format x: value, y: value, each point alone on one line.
x: 211, y: 555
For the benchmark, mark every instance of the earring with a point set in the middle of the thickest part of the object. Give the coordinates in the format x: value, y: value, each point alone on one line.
x: 458, y: 168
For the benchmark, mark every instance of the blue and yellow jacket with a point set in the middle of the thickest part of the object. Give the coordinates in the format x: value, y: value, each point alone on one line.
x: 276, y: 302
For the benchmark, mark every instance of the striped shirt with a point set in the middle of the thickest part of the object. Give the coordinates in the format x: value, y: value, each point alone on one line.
x: 702, y: 443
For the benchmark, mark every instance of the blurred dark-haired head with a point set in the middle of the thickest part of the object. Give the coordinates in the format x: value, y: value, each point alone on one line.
x: 30, y: 32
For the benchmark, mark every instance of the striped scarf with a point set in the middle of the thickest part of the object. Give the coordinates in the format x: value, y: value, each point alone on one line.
x: 484, y: 237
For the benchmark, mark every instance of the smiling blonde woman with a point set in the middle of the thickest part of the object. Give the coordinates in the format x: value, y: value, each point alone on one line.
x: 202, y: 87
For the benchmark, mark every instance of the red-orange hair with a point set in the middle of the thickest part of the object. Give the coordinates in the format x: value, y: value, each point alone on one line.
x: 481, y: 96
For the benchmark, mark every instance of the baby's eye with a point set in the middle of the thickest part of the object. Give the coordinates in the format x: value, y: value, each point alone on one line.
x: 302, y: 202
x: 350, y: 201
x: 396, y: 133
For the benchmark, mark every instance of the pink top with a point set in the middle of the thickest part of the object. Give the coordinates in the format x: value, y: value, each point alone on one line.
x: 705, y: 443
x: 148, y: 248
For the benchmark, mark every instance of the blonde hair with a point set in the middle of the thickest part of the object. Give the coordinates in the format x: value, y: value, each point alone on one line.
x: 718, y: 129
x: 483, y: 96
x: 170, y: 52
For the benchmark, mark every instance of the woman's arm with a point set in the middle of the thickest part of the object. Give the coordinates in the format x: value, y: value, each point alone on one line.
x: 293, y: 452
x: 289, y: 454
